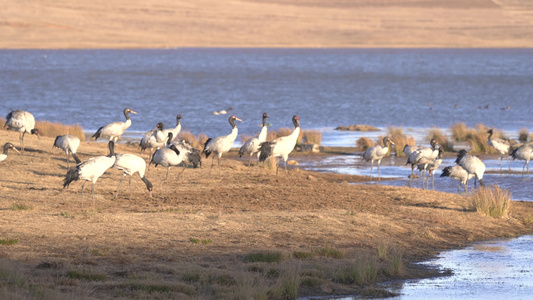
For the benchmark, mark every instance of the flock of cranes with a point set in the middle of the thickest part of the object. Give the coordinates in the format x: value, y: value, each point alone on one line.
x: 428, y: 159
x: 169, y: 151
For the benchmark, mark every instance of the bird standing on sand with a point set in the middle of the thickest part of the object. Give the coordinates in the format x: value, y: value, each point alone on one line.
x: 69, y: 144
x: 176, y: 130
x: 282, y: 146
x: 252, y: 145
x: 377, y: 152
x: 91, y: 169
x: 154, y: 139
x: 502, y: 146
x: 132, y: 164
x: 114, y: 130
x: 23, y: 122
x: 191, y: 155
x: 7, y: 146
x: 221, y: 144
x: 524, y: 152
x: 472, y: 164
x: 167, y: 157
x: 457, y: 172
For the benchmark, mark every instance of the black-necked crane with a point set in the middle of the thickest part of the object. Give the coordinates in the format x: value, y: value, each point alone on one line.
x: 502, y: 146
x: 176, y: 130
x: 91, y: 169
x: 376, y: 153
x: 524, y: 152
x: 251, y: 146
x: 281, y: 147
x: 167, y: 157
x: 221, y: 144
x: 154, y: 139
x: 23, y: 122
x: 191, y: 156
x: 114, y: 130
x: 69, y: 144
x: 132, y: 164
x: 422, y: 156
x: 457, y: 172
x: 431, y: 168
x: 7, y: 146
x: 408, y: 149
x: 472, y: 164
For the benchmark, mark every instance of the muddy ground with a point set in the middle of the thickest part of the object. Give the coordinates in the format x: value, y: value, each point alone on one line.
x: 193, y: 238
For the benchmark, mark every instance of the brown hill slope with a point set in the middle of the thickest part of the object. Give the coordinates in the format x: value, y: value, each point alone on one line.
x: 265, y: 23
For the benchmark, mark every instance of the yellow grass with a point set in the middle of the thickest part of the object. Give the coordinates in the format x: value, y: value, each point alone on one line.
x: 54, y: 129
x: 312, y: 137
x: 363, y: 143
x: 195, y: 141
x: 400, y: 140
x: 492, y: 201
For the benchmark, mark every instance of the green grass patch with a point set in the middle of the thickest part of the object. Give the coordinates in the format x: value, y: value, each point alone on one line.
x: 330, y: 252
x: 21, y: 206
x: 157, y: 288
x: 265, y: 256
x: 86, y: 275
x: 362, y: 271
x: 199, y: 241
x: 9, y: 242
x: 303, y: 254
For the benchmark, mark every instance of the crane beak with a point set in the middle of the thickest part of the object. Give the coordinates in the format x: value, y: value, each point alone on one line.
x: 150, y: 194
x: 132, y: 112
x: 238, y: 119
x: 16, y: 150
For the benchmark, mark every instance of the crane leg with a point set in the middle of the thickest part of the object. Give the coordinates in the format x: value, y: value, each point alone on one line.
x: 250, y: 160
x: 371, y: 167
x: 219, y: 164
x: 21, y: 140
x: 168, y: 169
x: 286, y: 172
x: 131, y: 192
x: 379, y: 172
x: 119, y: 183
x: 212, y: 162
x: 183, y: 170
x: 92, y: 189
x: 82, y: 188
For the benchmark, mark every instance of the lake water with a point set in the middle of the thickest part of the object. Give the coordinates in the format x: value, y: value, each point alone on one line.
x: 415, y: 89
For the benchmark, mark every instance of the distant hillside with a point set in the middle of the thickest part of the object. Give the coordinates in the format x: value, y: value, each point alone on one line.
x: 265, y: 23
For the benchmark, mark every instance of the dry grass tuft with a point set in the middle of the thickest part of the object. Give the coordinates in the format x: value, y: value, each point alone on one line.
x: 476, y: 137
x: 363, y: 143
x: 441, y: 138
x: 191, y: 139
x: 312, y: 137
x: 524, y: 136
x: 399, y: 139
x: 492, y: 201
x: 54, y: 129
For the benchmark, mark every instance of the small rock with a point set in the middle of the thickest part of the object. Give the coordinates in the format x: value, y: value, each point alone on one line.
x: 292, y: 162
x: 312, y: 178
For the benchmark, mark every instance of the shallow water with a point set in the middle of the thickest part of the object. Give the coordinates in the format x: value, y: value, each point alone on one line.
x: 500, y: 269
x: 409, y: 88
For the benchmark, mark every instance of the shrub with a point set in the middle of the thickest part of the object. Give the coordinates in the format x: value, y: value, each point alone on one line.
x: 54, y: 129
x: 399, y: 139
x: 363, y: 143
x: 330, y: 252
x: 523, y: 135
x: 362, y: 271
x: 312, y: 136
x: 191, y: 139
x: 492, y: 201
x: 440, y: 137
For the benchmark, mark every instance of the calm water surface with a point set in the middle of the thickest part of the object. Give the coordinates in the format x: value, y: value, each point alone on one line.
x: 414, y: 89
x: 325, y: 87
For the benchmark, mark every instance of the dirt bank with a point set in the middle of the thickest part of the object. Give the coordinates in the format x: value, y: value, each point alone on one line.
x: 193, y: 238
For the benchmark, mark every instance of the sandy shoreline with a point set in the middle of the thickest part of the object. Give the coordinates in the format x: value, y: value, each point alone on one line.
x: 206, y: 227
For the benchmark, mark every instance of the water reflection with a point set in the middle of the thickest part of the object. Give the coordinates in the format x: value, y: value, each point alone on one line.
x: 518, y: 184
